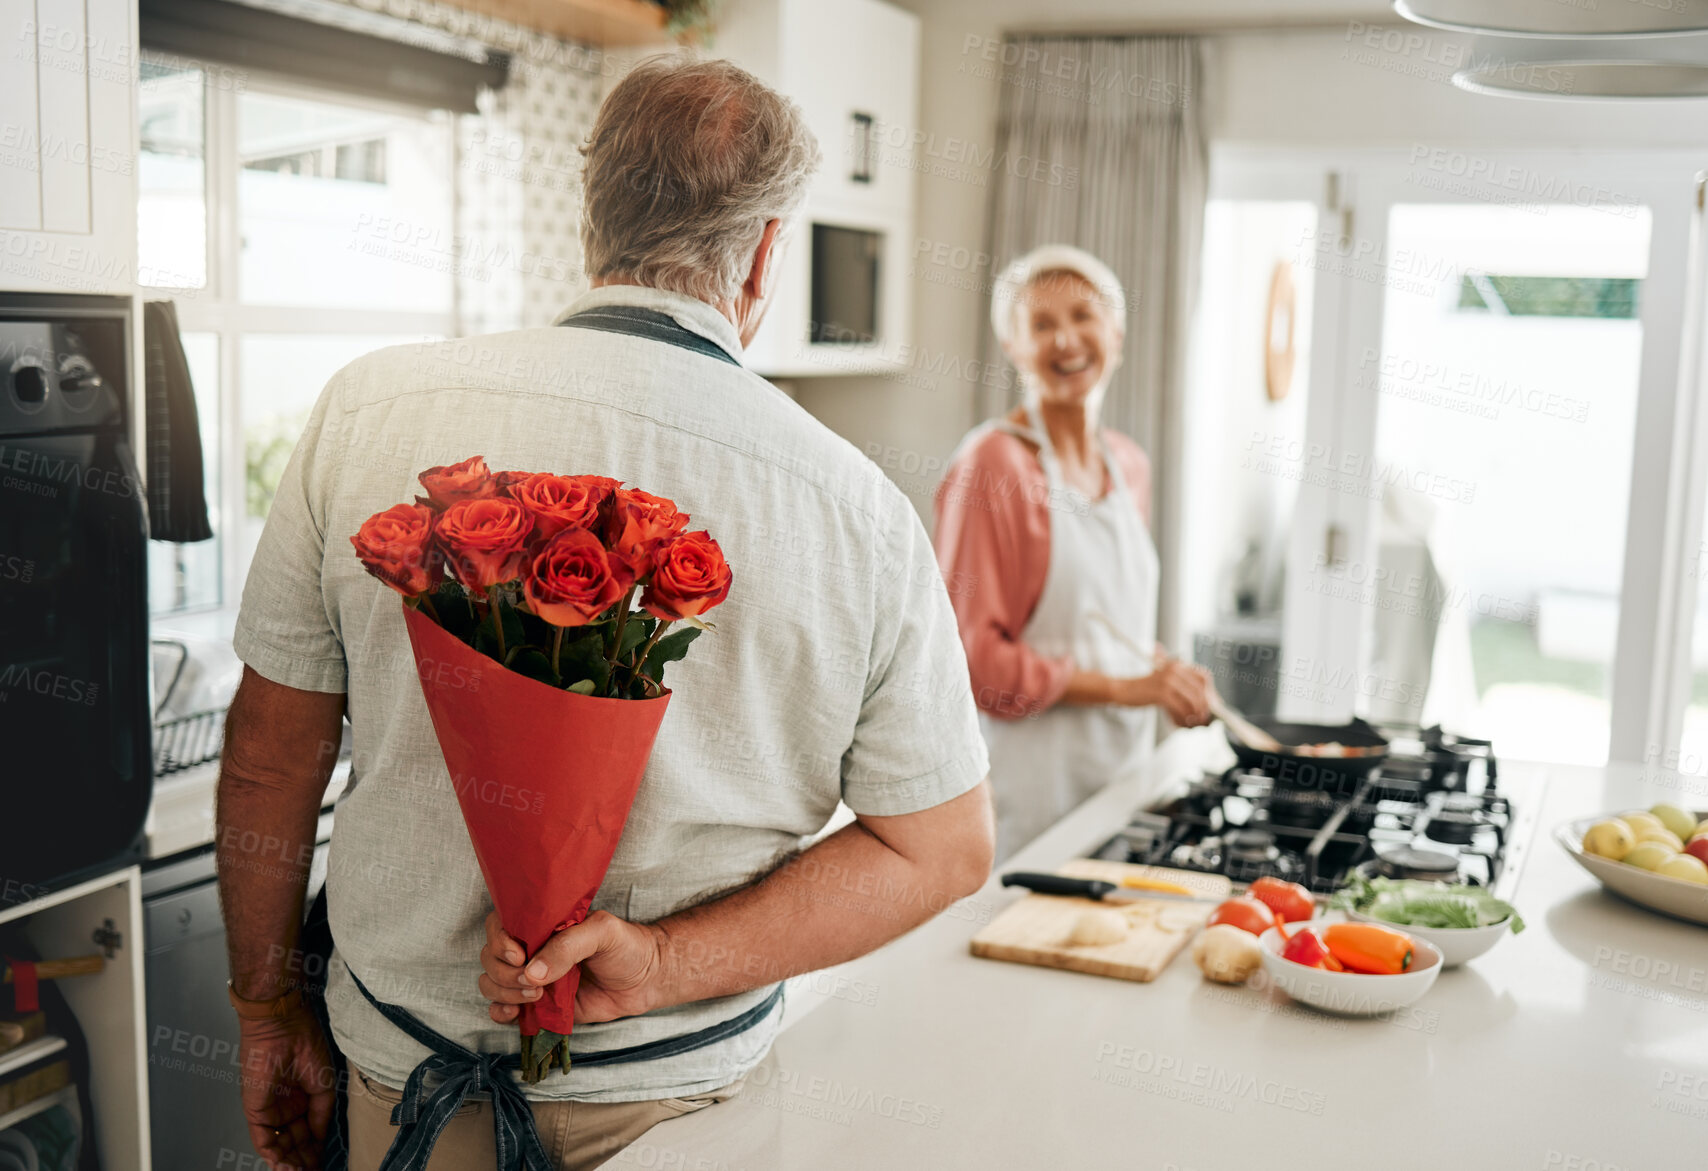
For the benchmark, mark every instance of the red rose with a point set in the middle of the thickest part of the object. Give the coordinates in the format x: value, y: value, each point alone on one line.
x: 563, y: 502
x: 691, y: 577
x: 397, y: 547
x: 573, y: 580
x: 507, y: 481
x: 485, y: 541
x: 638, y: 526
x: 469, y: 480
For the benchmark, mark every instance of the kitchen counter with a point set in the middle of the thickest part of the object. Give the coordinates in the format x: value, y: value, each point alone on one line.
x: 181, y: 816
x: 1581, y: 1044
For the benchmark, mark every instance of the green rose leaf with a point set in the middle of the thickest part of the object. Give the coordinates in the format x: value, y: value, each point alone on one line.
x: 584, y: 659
x: 514, y: 636
x: 668, y: 649
x: 526, y: 660
x: 451, y: 603
x: 636, y: 632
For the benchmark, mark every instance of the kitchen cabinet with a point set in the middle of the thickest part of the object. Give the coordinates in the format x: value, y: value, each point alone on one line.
x: 853, y: 67
x: 68, y: 153
x: 108, y: 1006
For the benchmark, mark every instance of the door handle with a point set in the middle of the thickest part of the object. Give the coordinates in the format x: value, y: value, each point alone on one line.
x: 1334, y: 545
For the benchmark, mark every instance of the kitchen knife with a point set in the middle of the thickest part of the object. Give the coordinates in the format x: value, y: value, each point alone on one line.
x: 1094, y: 888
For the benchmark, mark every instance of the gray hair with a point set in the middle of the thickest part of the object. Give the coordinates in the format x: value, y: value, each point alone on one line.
x: 1009, y: 291
x: 686, y: 163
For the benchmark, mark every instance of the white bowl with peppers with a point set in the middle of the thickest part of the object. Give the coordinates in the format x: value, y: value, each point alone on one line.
x: 1395, y: 975
x: 1348, y: 968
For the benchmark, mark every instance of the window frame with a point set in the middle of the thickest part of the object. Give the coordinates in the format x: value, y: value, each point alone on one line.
x: 217, y: 308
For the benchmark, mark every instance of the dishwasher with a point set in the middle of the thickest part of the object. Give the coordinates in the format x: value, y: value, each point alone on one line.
x: 195, y: 1108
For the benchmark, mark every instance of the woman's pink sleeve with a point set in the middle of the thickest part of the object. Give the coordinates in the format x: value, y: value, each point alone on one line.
x: 993, y: 546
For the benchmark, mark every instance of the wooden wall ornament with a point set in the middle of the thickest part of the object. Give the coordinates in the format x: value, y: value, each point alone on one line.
x: 1279, y: 351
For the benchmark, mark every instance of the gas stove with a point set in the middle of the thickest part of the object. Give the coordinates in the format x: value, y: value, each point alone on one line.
x: 1434, y: 808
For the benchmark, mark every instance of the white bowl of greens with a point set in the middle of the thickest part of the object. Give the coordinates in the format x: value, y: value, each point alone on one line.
x: 1462, y: 922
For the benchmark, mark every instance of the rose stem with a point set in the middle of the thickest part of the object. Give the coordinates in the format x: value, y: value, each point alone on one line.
x: 426, y: 601
x: 646, y: 647
x: 557, y: 647
x: 497, y: 619
x: 617, y: 638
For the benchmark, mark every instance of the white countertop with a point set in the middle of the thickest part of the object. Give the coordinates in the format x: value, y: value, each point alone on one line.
x: 181, y: 816
x: 1581, y: 1044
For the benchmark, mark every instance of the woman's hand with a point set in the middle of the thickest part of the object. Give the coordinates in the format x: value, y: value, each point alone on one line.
x: 1180, y: 689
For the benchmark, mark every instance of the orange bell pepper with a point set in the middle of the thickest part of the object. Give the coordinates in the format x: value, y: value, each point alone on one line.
x: 1368, y: 948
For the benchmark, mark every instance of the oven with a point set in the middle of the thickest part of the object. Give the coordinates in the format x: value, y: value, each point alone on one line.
x: 74, y: 690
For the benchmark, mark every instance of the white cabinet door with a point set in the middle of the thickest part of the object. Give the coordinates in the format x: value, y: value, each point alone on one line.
x: 20, y: 161
x: 854, y: 66
x: 67, y: 146
x: 62, y: 81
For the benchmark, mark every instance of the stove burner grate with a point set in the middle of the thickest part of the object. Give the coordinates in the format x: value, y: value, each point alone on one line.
x: 1453, y: 827
x: 1411, y: 862
x: 1431, y: 810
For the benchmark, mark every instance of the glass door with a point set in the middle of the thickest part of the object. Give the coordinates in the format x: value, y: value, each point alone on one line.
x: 1264, y: 339
x: 1501, y: 456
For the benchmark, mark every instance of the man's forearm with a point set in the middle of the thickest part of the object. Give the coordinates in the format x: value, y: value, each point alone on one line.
x: 846, y: 896
x: 266, y: 814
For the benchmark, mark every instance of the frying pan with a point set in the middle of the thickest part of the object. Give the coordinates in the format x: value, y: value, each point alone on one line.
x: 1365, y: 748
x: 1362, y: 747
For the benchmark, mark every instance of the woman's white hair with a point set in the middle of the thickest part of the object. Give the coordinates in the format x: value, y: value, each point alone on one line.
x: 1009, y: 293
x: 687, y: 162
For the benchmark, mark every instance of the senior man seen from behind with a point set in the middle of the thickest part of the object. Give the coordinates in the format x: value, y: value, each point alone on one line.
x: 835, y: 674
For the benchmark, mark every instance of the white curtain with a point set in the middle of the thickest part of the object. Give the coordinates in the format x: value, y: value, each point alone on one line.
x: 1103, y: 147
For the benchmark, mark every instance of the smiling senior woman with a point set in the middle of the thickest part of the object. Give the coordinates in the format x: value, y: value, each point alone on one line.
x: 1046, y: 515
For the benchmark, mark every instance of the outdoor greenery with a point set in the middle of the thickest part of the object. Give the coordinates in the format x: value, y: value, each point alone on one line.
x: 1506, y: 652
x: 267, y: 447
x: 1553, y: 296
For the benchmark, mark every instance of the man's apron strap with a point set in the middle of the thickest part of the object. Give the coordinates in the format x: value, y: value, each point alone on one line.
x: 648, y: 323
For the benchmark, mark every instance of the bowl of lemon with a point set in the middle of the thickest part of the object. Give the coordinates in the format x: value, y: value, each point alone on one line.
x: 1656, y: 858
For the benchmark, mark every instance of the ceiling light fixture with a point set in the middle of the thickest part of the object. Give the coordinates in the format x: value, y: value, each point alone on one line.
x: 1560, y: 18
x: 1633, y: 49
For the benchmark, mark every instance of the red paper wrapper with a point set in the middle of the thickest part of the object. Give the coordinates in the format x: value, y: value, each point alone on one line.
x: 545, y: 779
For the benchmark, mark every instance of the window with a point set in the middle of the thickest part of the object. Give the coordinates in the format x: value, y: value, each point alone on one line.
x: 296, y: 231
x: 1501, y: 448
x: 1507, y: 469
x: 172, y: 210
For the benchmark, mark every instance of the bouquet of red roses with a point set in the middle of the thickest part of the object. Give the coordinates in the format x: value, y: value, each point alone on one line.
x: 538, y: 573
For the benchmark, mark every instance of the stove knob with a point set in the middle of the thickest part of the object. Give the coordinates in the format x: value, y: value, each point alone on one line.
x: 78, y: 376
x: 29, y: 384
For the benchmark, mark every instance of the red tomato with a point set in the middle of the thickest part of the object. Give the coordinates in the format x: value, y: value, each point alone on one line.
x: 1290, y: 900
x: 1246, y: 914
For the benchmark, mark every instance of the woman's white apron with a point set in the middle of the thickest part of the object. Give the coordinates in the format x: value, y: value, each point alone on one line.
x: 1103, y: 568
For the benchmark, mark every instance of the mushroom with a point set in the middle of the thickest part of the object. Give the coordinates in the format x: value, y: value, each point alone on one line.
x: 1226, y: 954
x: 1098, y: 928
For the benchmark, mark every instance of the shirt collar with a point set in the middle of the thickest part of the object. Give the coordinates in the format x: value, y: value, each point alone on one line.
x: 689, y: 313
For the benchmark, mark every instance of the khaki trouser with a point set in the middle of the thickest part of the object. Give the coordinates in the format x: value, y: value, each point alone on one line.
x: 577, y: 1136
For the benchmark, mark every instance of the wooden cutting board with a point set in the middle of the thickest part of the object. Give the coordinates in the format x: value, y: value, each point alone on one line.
x: 1035, y: 930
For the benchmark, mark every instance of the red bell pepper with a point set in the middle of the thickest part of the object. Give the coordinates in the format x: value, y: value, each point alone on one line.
x: 1305, y: 947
